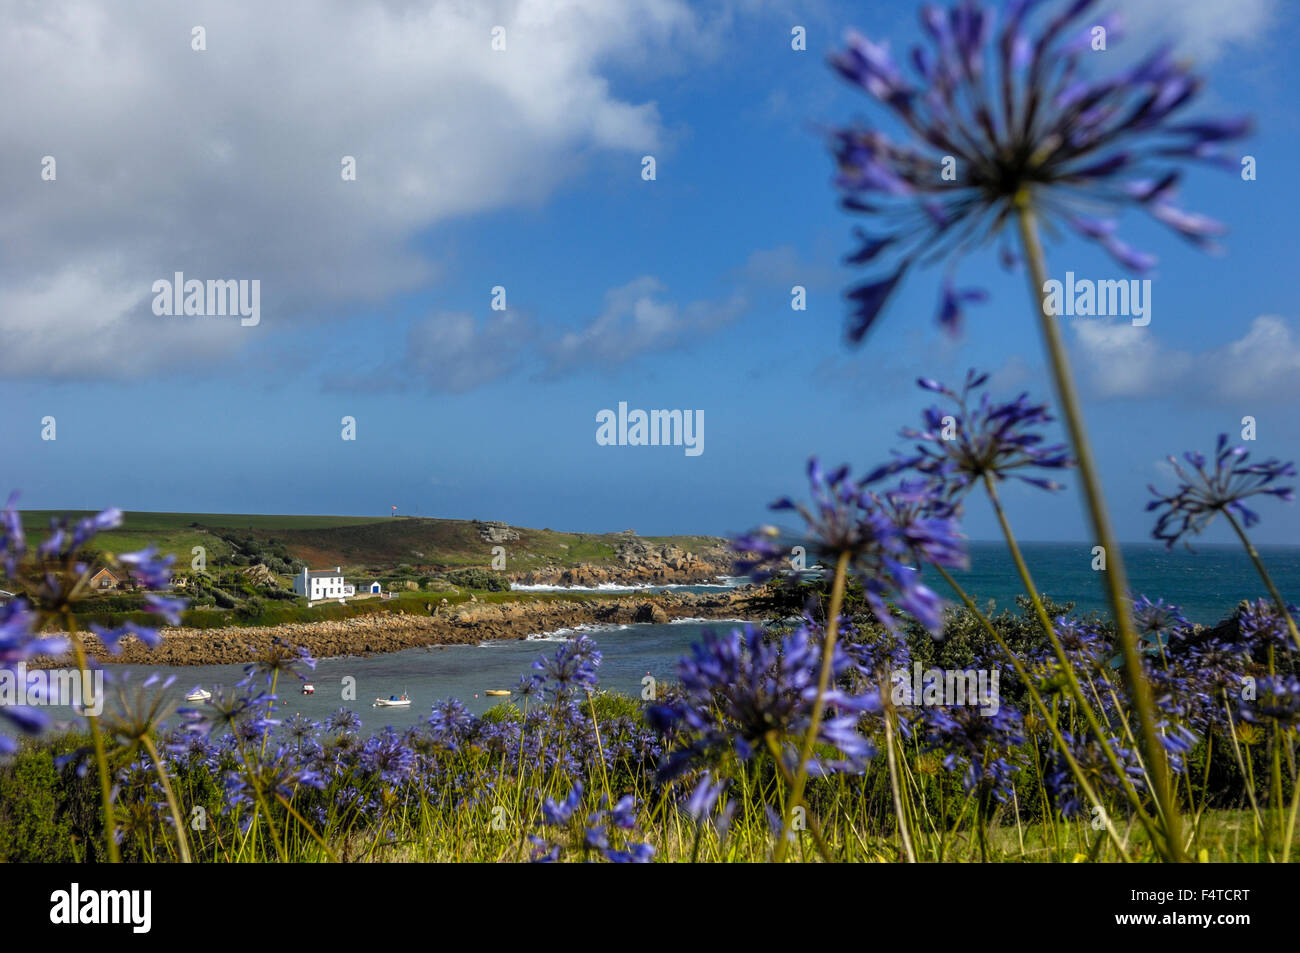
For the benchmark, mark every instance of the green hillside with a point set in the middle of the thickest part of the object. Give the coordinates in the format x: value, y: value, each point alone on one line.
x: 358, y: 542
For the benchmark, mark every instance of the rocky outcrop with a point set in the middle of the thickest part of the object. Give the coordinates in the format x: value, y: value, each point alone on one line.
x: 640, y: 562
x: 259, y: 575
x: 466, y: 623
x: 494, y: 531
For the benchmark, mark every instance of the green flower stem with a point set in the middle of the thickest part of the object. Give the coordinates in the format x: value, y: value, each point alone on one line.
x: 1072, y: 682
x: 893, y: 787
x: 1116, y: 579
x: 1263, y: 574
x: 96, y: 740
x: 1047, y: 716
x: 819, y: 704
x: 182, y: 841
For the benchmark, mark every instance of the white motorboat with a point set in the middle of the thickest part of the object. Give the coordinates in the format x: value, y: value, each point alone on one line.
x: 392, y: 701
x: 198, y: 695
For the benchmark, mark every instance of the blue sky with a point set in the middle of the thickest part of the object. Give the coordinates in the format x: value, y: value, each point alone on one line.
x: 522, y: 169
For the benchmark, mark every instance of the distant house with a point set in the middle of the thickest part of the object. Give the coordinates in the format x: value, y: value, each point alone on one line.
x: 105, y: 579
x: 375, y: 587
x: 5, y: 597
x: 326, y: 584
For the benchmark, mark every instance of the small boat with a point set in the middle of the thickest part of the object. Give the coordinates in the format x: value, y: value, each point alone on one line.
x: 392, y: 701
x: 308, y: 688
x: 497, y: 691
x: 198, y: 695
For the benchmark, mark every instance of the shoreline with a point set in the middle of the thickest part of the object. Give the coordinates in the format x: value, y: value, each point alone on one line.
x: 381, y: 633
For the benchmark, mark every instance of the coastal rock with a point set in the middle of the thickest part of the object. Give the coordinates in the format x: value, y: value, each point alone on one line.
x: 650, y: 612
x: 392, y: 631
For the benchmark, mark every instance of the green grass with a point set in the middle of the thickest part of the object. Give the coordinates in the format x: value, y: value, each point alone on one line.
x: 360, y: 543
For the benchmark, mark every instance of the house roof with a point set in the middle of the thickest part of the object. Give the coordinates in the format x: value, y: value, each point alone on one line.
x: 325, y: 574
x: 105, y: 569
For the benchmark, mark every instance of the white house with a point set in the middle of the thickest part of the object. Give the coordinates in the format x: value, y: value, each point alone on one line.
x: 376, y: 588
x: 326, y: 584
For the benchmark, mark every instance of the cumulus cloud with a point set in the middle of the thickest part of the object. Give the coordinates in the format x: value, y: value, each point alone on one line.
x: 1127, y: 361
x: 1120, y: 360
x: 635, y: 320
x: 225, y: 163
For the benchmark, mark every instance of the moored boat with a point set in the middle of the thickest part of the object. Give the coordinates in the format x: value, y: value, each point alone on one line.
x: 198, y: 695
x: 497, y: 691
x: 392, y: 701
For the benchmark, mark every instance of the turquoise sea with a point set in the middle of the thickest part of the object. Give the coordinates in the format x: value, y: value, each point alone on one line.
x: 1206, y: 583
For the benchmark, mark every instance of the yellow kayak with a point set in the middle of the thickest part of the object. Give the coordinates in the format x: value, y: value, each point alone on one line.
x: 496, y: 691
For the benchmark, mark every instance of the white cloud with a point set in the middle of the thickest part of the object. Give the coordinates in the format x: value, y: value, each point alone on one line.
x: 225, y: 163
x: 1127, y: 361
x: 1265, y: 363
x: 1204, y: 29
x: 635, y: 320
x: 1119, y: 360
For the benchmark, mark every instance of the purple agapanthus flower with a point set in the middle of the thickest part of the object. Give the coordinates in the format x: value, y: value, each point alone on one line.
x: 1277, y: 700
x: 995, y: 115
x: 980, y: 745
x: 957, y: 447
x: 13, y: 542
x: 150, y: 568
x: 110, y: 638
x: 572, y: 668
x: 884, y: 543
x: 1203, y: 493
x: 1155, y: 621
x: 741, y: 688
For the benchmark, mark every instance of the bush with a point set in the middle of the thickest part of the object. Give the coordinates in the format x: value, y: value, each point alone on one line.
x: 478, y: 579
x: 250, y: 609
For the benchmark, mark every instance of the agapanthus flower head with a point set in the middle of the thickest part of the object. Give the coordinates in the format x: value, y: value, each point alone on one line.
x: 1156, y: 621
x: 343, y: 722
x: 1261, y: 626
x: 993, y: 116
x: 137, y: 712
x: 741, y: 688
x: 885, y: 541
x: 450, y: 723
x: 1063, y: 786
x: 1204, y: 491
x: 226, y: 711
x: 571, y: 669
x: 958, y: 445
x: 980, y: 744
x: 1277, y: 699
x: 387, y: 756
x: 279, y: 658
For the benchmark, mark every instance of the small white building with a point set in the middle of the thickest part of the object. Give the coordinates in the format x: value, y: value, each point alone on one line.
x: 326, y: 584
x: 376, y: 588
